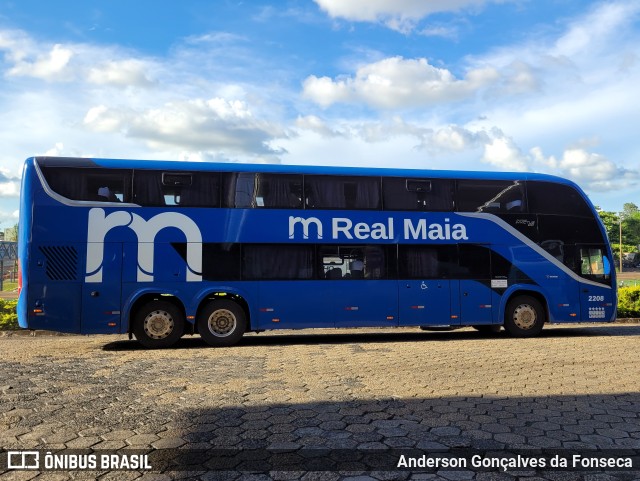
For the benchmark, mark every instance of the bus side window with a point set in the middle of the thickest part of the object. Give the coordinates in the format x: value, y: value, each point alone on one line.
x: 277, y: 262
x: 353, y: 262
x: 250, y: 190
x: 278, y: 191
x: 594, y: 264
x: 107, y: 194
x: 474, y: 261
x: 491, y: 196
x: 342, y: 192
x: 400, y: 193
x: 203, y: 191
x: 89, y: 184
x: 427, y: 262
x: 147, y: 188
x: 556, y: 199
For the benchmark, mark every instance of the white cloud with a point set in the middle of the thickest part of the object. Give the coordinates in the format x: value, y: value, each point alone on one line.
x: 10, y: 189
x: 401, y: 15
x: 213, y: 125
x: 396, y: 82
x: 49, y: 66
x: 598, y: 28
x: 103, y: 119
x: 455, y: 147
x: 125, y: 73
x: 316, y: 124
x: 9, y: 185
x: 55, y: 151
x: 24, y: 57
x: 503, y: 153
x: 8, y: 219
x: 589, y: 169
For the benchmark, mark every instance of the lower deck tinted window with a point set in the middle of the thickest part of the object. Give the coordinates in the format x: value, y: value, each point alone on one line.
x: 427, y: 262
x: 277, y: 262
x: 219, y: 261
x: 352, y: 262
x: 475, y: 262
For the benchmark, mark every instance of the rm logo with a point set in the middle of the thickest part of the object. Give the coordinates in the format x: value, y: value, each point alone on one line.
x: 305, y: 223
x: 146, y: 231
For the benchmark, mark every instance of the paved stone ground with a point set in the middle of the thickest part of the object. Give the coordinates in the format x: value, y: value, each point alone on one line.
x: 348, y: 390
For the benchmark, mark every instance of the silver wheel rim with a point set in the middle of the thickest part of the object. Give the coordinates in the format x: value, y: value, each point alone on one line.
x: 525, y: 316
x: 222, y: 322
x: 158, y: 324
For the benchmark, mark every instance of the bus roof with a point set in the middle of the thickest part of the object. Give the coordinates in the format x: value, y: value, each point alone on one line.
x: 290, y: 169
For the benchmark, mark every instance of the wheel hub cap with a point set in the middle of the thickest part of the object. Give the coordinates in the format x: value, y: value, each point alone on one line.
x: 524, y: 316
x: 222, y: 323
x: 158, y: 324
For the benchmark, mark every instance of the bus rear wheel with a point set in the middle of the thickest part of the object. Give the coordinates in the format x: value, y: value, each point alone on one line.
x: 158, y: 324
x: 222, y: 323
x: 524, y: 317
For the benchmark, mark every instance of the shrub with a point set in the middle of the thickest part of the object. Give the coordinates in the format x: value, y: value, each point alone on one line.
x: 629, y: 302
x: 8, y: 314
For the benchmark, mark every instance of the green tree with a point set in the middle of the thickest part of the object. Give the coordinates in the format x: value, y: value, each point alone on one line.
x: 611, y: 221
x: 629, y: 208
x: 631, y: 224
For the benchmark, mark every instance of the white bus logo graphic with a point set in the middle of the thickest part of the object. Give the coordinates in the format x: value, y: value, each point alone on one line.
x: 293, y: 221
x: 146, y: 231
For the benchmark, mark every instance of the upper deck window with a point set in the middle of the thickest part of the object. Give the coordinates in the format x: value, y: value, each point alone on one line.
x: 491, y: 196
x: 417, y: 194
x: 185, y: 189
x: 257, y: 190
x: 342, y: 192
x: 89, y: 184
x: 558, y: 199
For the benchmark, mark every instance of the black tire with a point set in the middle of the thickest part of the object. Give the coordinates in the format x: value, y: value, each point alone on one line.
x: 222, y: 323
x: 524, y: 317
x: 158, y: 324
x: 487, y: 328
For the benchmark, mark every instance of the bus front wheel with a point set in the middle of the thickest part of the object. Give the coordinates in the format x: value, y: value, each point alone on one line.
x: 524, y: 317
x: 158, y: 324
x: 222, y: 323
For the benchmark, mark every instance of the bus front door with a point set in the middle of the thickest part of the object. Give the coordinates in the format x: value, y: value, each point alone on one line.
x: 596, y: 301
x: 425, y: 303
x: 101, y: 300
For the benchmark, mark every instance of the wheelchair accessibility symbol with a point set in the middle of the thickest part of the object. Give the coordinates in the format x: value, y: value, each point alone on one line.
x: 423, y: 286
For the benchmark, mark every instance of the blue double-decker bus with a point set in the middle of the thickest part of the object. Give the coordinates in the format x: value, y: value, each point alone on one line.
x: 163, y: 249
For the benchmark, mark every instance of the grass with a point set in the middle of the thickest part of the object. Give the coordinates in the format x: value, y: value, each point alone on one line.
x: 9, y: 286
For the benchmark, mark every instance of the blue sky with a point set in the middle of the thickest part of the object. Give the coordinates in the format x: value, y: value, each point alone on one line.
x: 523, y: 85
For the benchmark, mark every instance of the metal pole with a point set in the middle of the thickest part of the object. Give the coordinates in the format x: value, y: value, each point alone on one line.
x: 620, y: 242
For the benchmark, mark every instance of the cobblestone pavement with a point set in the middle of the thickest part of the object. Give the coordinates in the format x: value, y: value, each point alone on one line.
x: 349, y: 391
